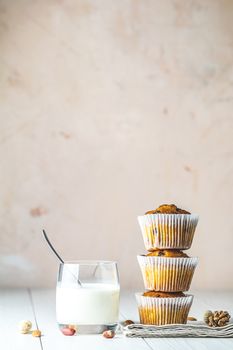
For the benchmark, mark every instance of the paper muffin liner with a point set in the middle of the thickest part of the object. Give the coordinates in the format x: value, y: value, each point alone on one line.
x: 159, y: 311
x: 167, y: 274
x: 168, y: 231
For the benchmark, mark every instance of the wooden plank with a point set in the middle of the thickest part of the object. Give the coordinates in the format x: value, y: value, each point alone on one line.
x: 202, y: 302
x: 44, y: 304
x: 15, y: 306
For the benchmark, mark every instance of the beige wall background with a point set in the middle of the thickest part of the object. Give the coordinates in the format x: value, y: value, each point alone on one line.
x: 108, y: 109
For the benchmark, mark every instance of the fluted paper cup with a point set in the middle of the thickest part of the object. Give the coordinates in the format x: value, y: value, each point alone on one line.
x: 159, y: 311
x: 167, y: 274
x: 168, y: 231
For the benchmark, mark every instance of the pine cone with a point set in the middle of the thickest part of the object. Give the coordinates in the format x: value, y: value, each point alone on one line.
x: 216, y: 318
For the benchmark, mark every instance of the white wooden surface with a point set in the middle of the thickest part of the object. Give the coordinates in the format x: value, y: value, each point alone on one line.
x: 39, y: 307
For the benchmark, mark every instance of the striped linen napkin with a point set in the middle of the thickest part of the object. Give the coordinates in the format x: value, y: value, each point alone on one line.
x: 195, y: 329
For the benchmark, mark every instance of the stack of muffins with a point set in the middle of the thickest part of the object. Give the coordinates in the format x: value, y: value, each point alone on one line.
x: 167, y: 271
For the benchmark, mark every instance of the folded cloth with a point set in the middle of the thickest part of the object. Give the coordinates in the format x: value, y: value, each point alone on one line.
x: 195, y: 329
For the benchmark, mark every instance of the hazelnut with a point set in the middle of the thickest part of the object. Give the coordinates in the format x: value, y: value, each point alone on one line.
x: 127, y: 322
x: 109, y: 334
x: 36, y: 333
x: 68, y: 331
x: 25, y: 326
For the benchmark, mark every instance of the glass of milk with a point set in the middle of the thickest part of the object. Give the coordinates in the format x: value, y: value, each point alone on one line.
x: 87, y: 297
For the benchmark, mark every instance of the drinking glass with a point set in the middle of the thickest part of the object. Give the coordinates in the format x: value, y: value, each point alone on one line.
x: 87, y: 297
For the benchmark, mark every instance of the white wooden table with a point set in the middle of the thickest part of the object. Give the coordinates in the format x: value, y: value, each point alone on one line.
x: 39, y: 307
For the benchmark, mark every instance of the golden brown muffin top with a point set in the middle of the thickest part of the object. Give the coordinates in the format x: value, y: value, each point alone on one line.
x: 169, y: 253
x: 154, y: 294
x: 167, y: 209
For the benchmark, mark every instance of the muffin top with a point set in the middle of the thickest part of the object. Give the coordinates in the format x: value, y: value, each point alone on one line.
x: 169, y: 253
x: 167, y: 209
x: 154, y: 294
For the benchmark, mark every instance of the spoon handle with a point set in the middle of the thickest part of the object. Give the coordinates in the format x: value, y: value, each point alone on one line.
x: 51, y: 246
x: 57, y: 255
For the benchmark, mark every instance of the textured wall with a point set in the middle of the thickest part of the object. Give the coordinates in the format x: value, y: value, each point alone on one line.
x: 108, y: 109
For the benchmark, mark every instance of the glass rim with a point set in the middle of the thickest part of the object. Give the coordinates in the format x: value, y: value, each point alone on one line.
x: 88, y: 262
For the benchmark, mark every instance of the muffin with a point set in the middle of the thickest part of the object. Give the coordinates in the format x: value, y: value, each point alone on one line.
x: 168, y: 227
x: 159, y: 308
x: 167, y: 270
x: 168, y: 209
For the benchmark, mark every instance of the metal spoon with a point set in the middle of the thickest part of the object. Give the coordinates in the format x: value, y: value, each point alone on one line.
x: 57, y: 255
